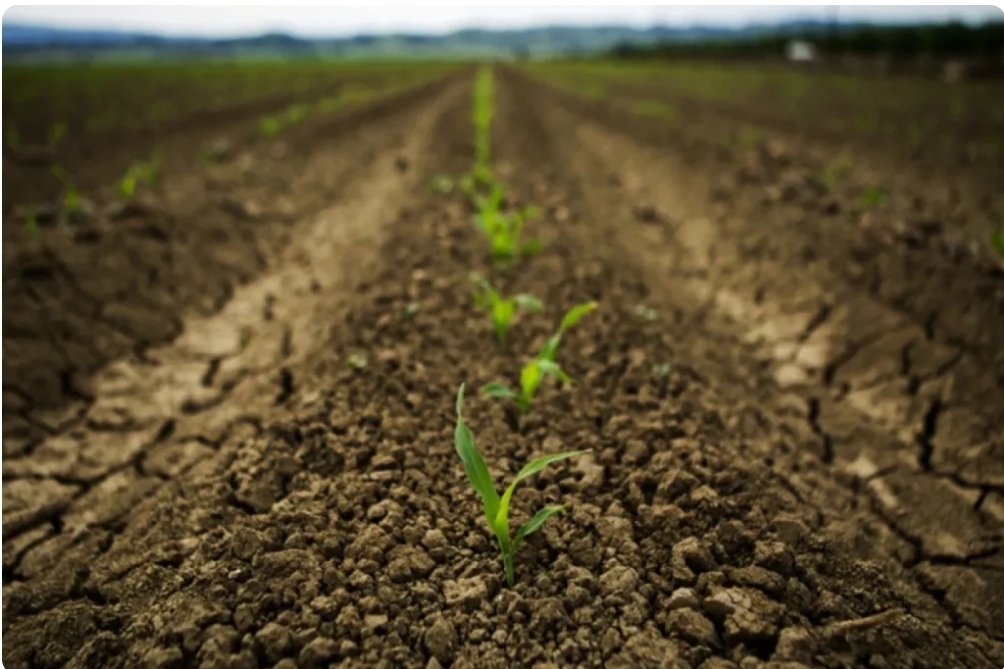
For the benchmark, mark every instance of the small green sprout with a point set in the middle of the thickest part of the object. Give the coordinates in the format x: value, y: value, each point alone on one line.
x: 270, y: 126
x: 873, y: 197
x: 497, y: 508
x: 997, y: 241
x: 543, y: 366
x: 502, y: 310
x: 571, y: 317
x: 357, y: 361
x: 296, y: 113
x: 71, y: 196
x: 31, y: 222
x: 504, y: 231
x: 141, y: 171
x: 482, y: 112
x: 530, y: 378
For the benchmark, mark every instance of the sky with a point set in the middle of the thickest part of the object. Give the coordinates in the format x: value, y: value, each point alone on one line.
x: 319, y: 21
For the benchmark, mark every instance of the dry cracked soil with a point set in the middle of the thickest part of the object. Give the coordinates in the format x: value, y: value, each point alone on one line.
x: 792, y: 411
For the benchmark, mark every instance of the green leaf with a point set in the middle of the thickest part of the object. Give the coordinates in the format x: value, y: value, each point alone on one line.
x: 550, y: 348
x: 534, y: 524
x: 551, y: 368
x: 531, y: 468
x: 997, y: 242
x: 503, y: 311
x: 529, y: 380
x: 127, y: 187
x: 474, y: 464
x: 528, y: 302
x: 575, y: 314
x: 499, y: 391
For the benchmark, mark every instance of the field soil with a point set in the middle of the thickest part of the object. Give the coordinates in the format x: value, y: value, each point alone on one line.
x: 793, y: 412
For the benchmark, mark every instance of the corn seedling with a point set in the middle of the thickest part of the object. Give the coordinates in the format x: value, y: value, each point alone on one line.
x: 504, y: 231
x: 482, y: 112
x: 497, y: 508
x: 296, y: 113
x: 502, y: 309
x: 270, y: 126
x: 571, y: 317
x: 31, y: 222
x: 141, y: 171
x: 540, y: 368
x: 997, y: 241
x: 71, y: 196
x: 873, y: 197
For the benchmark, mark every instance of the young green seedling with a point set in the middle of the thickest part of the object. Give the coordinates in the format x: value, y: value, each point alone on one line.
x: 873, y: 197
x: 504, y: 231
x: 497, y: 508
x: 482, y: 112
x: 141, y: 171
x: 71, y: 196
x: 270, y: 126
x: 543, y: 366
x: 502, y: 310
x: 997, y: 242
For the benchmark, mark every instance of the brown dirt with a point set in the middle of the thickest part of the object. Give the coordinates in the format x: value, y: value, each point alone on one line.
x: 813, y: 484
x: 120, y: 281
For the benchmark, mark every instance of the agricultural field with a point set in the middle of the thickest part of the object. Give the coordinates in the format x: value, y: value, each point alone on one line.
x: 556, y: 365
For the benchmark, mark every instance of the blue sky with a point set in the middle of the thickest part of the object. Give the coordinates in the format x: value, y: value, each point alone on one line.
x: 315, y: 21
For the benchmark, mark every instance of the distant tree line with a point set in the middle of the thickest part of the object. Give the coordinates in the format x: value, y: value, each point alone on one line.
x: 983, y: 43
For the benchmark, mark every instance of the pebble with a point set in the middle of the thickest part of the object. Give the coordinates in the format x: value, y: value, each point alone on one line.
x: 682, y: 598
x: 692, y: 627
x: 318, y: 653
x: 619, y: 579
x: 467, y: 592
x: 275, y: 641
x: 441, y: 639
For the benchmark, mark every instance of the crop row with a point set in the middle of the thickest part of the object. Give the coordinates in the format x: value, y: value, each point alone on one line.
x: 145, y: 172
x: 121, y: 98
x: 502, y: 227
x: 935, y: 115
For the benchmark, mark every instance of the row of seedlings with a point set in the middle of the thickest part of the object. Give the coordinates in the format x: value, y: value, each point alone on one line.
x: 502, y: 228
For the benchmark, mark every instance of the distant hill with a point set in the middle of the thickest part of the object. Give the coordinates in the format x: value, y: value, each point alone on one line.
x: 39, y: 42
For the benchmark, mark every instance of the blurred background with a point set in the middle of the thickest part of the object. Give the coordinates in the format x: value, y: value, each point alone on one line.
x: 892, y: 33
